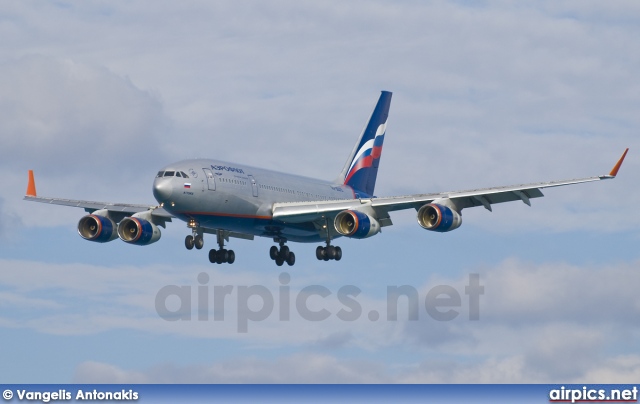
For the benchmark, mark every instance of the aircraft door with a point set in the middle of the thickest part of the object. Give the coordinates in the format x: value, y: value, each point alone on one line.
x: 211, y: 179
x: 254, y: 185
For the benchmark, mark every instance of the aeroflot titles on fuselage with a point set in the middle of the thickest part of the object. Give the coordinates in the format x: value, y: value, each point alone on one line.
x: 227, y: 168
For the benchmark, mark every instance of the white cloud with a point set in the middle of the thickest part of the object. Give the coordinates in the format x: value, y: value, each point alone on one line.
x: 63, y: 116
x: 537, y: 323
x: 316, y: 368
x: 299, y: 368
x: 85, y: 131
x: 9, y: 222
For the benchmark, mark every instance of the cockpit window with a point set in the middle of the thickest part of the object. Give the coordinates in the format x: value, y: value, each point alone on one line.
x: 184, y: 175
x: 160, y: 174
x: 169, y: 173
x: 178, y: 174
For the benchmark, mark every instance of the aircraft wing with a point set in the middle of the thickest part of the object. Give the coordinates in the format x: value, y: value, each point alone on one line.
x: 298, y: 212
x: 117, y: 210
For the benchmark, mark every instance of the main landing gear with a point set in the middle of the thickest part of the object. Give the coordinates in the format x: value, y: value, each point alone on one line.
x: 221, y: 255
x: 282, y: 255
x: 329, y: 252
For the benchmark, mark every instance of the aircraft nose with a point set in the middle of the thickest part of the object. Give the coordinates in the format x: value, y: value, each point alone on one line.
x: 162, y: 190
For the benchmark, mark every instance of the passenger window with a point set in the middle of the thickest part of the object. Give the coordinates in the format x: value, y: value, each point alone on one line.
x: 160, y: 174
x: 169, y: 173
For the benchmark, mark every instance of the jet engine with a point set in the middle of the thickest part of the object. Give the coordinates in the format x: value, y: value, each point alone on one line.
x: 98, y: 228
x: 138, y: 231
x: 354, y: 224
x: 436, y: 217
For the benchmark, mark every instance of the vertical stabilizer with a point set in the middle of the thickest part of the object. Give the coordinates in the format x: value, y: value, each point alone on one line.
x: 361, y: 169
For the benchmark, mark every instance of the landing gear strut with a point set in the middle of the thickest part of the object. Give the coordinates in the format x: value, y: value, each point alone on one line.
x: 221, y: 255
x: 282, y: 255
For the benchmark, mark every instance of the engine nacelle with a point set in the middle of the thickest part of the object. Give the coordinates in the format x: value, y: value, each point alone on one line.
x: 98, y: 228
x: 138, y: 231
x: 436, y: 217
x: 354, y: 224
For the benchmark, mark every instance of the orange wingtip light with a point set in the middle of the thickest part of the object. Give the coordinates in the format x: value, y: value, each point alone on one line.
x: 615, y: 169
x: 31, y: 187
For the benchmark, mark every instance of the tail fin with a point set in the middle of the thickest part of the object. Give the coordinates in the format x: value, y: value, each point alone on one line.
x: 361, y: 169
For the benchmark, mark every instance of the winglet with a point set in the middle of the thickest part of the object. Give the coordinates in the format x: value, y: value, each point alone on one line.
x: 615, y: 169
x: 31, y: 187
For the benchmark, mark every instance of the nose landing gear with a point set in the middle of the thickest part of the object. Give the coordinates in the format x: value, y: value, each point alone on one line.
x: 195, y: 240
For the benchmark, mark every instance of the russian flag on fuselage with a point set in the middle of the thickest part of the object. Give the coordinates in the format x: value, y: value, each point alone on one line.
x: 363, y: 167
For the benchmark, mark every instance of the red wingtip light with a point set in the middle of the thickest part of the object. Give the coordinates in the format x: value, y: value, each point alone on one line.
x: 31, y: 187
x: 615, y: 169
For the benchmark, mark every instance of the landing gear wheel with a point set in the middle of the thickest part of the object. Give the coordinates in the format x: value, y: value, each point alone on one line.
x: 338, y: 254
x: 198, y: 241
x: 328, y: 253
x: 282, y: 254
x: 189, y: 242
x: 325, y: 254
x: 331, y: 252
x: 224, y: 254
x: 284, y: 251
x: 291, y: 259
x: 221, y: 255
x: 273, y: 252
x: 231, y: 257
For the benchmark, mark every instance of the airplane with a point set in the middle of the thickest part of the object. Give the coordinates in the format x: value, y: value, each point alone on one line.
x: 232, y: 200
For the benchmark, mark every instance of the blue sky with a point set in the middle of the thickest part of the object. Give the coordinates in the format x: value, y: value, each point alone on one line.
x: 97, y: 96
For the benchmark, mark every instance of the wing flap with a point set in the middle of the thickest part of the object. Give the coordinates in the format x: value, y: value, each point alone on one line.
x: 301, y: 212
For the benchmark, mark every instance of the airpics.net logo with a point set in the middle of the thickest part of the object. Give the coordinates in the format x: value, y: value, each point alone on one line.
x: 599, y: 395
x: 255, y: 303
